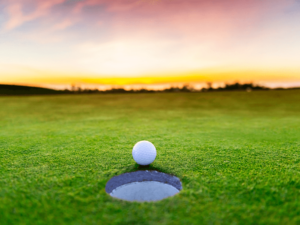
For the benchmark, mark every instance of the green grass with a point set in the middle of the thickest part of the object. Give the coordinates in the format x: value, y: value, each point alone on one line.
x: 236, y: 153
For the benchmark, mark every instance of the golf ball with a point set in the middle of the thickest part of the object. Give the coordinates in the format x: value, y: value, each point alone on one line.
x: 144, y: 153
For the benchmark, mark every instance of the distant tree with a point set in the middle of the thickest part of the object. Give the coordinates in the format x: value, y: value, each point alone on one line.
x: 209, y: 85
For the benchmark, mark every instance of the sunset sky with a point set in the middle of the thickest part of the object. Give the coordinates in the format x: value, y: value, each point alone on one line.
x: 124, y: 42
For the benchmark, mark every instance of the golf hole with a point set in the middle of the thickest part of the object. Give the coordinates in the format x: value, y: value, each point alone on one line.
x: 143, y: 186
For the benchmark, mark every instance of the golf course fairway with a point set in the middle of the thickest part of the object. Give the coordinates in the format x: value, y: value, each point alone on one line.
x: 237, y: 155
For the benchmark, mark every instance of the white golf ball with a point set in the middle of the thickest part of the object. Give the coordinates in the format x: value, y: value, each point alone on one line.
x: 144, y: 153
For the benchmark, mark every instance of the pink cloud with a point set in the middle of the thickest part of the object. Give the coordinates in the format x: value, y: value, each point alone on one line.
x: 17, y: 16
x: 63, y: 24
x: 179, y: 14
x: 192, y: 19
x: 81, y: 4
x: 125, y: 5
x: 197, y: 20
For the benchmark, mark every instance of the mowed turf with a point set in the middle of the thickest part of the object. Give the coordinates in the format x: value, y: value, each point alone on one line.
x: 237, y: 155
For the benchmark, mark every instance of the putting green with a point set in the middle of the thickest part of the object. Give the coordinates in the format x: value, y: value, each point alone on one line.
x: 236, y: 153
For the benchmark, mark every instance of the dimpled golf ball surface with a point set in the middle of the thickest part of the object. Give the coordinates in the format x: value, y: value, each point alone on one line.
x: 144, y: 153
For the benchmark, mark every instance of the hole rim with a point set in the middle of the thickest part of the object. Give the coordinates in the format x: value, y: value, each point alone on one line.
x: 142, y: 176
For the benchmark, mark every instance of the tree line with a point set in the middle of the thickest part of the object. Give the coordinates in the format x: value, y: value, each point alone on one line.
x: 27, y: 90
x: 184, y: 88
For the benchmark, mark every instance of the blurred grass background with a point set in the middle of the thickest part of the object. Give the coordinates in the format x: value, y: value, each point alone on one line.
x: 237, y: 154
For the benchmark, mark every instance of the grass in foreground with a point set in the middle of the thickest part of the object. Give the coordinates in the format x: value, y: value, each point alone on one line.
x: 236, y: 153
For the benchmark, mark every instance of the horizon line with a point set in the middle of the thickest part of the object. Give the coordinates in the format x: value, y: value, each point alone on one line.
x: 160, y: 86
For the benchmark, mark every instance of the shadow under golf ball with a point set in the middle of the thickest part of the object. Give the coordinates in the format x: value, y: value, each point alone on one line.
x: 143, y: 186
